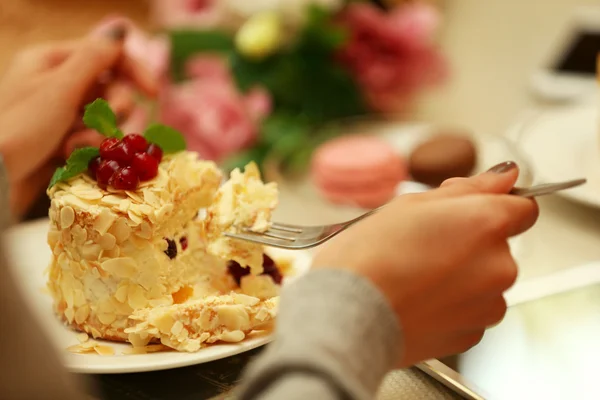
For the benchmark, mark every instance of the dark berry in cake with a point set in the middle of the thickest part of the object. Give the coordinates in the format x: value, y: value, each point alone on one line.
x: 269, y: 268
x: 184, y: 243
x: 237, y: 271
x: 171, y: 249
x: 275, y: 275
x: 268, y: 263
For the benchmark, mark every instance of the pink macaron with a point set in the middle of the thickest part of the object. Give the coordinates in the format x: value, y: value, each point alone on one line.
x: 358, y: 170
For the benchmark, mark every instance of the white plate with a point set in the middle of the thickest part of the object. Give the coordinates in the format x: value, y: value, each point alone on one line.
x: 562, y: 145
x: 29, y: 255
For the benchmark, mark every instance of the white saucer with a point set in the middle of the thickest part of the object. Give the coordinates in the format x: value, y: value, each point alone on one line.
x: 29, y: 255
x: 564, y: 144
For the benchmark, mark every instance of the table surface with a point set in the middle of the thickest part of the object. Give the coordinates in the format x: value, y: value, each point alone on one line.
x: 204, y: 381
x: 493, y: 46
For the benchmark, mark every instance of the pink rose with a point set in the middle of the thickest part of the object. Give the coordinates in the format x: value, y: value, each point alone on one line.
x: 216, y: 119
x: 151, y: 51
x: 414, y: 24
x: 215, y: 68
x: 390, y: 53
x: 208, y: 67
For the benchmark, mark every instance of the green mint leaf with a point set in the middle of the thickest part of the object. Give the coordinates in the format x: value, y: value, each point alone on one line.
x: 76, y: 164
x: 99, y: 116
x: 167, y: 138
x: 82, y: 157
x: 56, y: 177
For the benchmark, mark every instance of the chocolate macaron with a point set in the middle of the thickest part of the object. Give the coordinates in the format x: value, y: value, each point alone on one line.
x: 441, y: 157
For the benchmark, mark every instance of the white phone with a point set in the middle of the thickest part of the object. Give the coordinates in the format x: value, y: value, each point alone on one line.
x: 569, y: 69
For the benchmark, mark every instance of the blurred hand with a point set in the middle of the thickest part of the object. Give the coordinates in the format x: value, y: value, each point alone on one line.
x: 41, y: 100
x: 441, y: 258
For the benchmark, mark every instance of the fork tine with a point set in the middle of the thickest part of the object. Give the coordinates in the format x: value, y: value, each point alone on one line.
x: 250, y: 237
x: 271, y: 242
x: 277, y: 234
x: 274, y: 235
x: 286, y: 227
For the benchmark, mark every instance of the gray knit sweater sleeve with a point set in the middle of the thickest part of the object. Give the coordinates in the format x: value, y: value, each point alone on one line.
x: 336, y: 338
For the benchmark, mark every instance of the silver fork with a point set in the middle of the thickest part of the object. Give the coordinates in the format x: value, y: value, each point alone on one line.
x: 297, y: 237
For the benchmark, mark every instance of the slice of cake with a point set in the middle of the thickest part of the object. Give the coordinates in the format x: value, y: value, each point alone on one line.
x: 243, y: 202
x: 129, y: 250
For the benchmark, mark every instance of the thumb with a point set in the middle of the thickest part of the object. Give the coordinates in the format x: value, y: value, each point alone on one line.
x: 499, y: 179
x: 92, y: 57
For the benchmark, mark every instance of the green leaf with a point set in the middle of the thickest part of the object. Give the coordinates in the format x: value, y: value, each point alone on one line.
x: 296, y: 163
x: 320, y: 31
x: 185, y: 44
x: 306, y: 79
x: 82, y: 156
x: 241, y: 159
x: 280, y: 124
x: 57, y: 176
x: 167, y: 138
x: 249, y: 73
x: 76, y: 164
x: 284, y: 133
x: 99, y: 116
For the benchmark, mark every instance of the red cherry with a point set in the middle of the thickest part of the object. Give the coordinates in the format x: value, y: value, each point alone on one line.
x: 155, y: 152
x: 107, y: 145
x: 93, y: 166
x: 105, y: 171
x: 145, y: 166
x: 136, y: 142
x: 117, y: 151
x: 124, y: 179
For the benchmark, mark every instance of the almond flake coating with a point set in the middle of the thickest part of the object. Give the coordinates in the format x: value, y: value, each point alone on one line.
x: 192, y: 325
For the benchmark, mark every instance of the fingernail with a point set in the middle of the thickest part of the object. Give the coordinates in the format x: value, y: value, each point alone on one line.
x: 503, y: 167
x: 117, y: 33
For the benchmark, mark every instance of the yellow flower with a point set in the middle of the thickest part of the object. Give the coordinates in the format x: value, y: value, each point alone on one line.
x: 260, y: 36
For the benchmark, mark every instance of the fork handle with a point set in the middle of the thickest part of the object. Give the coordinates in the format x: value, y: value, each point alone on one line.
x: 533, y: 191
x: 365, y: 215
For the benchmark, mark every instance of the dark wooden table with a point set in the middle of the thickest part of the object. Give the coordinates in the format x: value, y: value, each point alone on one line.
x: 204, y: 381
